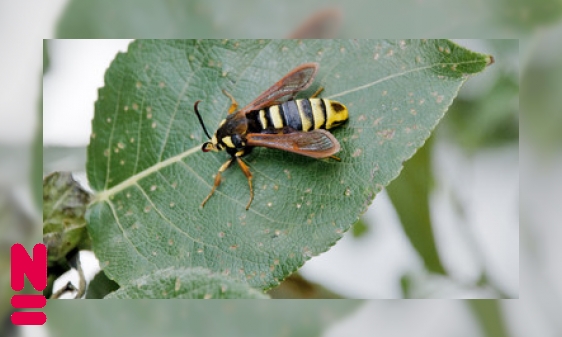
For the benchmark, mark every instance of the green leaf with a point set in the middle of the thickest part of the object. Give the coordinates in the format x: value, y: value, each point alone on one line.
x: 406, y: 284
x: 360, y: 228
x: 100, y: 286
x: 488, y: 121
x: 409, y: 194
x: 145, y: 162
x: 64, y: 206
x: 185, y: 283
x: 488, y: 112
x: 46, y: 58
x: 540, y: 96
x: 529, y: 14
x: 489, y: 315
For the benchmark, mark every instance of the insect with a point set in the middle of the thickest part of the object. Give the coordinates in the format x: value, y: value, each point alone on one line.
x: 276, y: 120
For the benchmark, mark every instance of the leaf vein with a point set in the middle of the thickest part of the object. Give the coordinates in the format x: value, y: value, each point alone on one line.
x: 168, y: 220
x: 139, y: 133
x: 389, y: 77
x: 105, y: 194
x: 110, y: 140
x: 110, y: 204
x: 235, y: 200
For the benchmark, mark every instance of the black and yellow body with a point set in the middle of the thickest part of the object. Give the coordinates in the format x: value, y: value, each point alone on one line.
x: 302, y: 115
x: 276, y: 120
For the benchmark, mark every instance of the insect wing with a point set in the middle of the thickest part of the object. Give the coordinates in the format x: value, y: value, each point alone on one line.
x: 315, y: 144
x: 296, y: 80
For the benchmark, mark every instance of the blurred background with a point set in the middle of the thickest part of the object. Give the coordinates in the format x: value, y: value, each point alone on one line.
x: 472, y: 207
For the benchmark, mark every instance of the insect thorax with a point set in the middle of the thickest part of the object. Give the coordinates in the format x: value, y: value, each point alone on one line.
x: 231, y: 134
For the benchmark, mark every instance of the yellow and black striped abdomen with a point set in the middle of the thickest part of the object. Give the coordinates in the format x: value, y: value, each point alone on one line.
x: 303, y: 115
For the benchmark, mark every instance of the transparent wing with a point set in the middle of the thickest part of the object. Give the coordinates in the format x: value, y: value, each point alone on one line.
x: 315, y: 144
x: 296, y: 80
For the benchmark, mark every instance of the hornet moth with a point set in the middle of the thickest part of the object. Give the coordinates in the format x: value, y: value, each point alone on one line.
x: 275, y: 119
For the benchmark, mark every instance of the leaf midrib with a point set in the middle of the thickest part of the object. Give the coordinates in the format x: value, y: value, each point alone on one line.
x: 105, y: 194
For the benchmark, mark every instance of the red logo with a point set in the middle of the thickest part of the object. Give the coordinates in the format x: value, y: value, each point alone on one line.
x: 36, y: 271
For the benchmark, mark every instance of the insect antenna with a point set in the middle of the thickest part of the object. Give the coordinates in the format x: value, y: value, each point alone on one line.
x: 200, y: 119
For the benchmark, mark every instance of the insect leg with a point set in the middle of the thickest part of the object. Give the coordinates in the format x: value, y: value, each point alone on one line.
x: 218, y: 179
x: 317, y: 92
x: 234, y: 105
x: 248, y: 175
x: 335, y: 158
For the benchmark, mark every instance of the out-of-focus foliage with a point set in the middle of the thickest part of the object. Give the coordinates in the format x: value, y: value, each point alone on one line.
x: 359, y: 228
x: 487, y: 112
x: 541, y: 88
x: 64, y: 226
x: 527, y: 14
x: 100, y: 286
x: 278, y: 19
x: 410, y: 196
x: 489, y: 315
x: 64, y: 207
x: 194, y: 318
